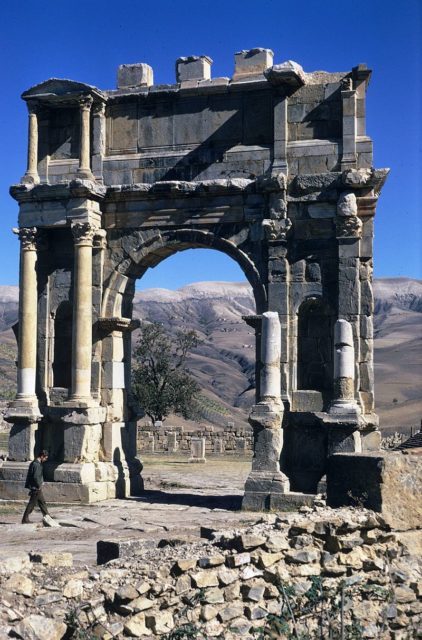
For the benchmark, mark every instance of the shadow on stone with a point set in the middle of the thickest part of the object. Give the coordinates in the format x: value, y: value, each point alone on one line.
x: 228, y: 502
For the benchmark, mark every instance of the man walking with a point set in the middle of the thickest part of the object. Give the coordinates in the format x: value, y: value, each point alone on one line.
x: 34, y: 482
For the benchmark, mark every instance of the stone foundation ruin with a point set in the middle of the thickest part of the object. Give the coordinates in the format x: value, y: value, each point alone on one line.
x: 273, y: 167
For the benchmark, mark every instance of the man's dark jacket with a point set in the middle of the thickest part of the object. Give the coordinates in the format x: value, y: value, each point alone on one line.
x: 34, y: 479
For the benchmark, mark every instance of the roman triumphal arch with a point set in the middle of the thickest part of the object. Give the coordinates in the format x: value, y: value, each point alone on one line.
x: 272, y: 167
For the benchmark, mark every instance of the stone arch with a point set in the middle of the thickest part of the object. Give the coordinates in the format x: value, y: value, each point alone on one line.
x: 153, y: 249
x: 314, y: 345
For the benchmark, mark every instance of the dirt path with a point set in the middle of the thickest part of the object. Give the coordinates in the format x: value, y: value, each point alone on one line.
x: 179, y: 499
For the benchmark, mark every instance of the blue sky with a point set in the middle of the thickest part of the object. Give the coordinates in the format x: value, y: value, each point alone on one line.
x: 87, y: 39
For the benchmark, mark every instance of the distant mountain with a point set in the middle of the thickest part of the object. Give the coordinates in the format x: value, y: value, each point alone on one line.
x: 224, y: 362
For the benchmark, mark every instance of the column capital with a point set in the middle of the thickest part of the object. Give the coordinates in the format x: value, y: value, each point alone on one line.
x: 85, y: 103
x: 28, y: 238
x: 33, y: 107
x: 83, y: 233
x: 99, y: 108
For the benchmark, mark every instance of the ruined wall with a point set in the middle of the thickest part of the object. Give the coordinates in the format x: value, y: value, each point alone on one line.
x: 273, y: 168
x: 231, y: 440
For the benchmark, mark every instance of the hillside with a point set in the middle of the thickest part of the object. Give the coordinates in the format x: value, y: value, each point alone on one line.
x: 224, y: 362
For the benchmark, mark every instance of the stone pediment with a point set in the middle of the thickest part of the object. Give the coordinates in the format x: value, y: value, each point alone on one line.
x: 56, y: 88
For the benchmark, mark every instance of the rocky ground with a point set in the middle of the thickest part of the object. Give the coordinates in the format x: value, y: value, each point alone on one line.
x: 183, y: 562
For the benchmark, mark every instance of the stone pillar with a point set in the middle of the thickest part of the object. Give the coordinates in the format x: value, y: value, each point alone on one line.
x: 31, y: 175
x: 279, y: 164
x: 270, y: 355
x: 84, y: 170
x: 348, y: 97
x: 98, y: 141
x: 344, y: 402
x: 266, y: 481
x: 23, y: 412
x: 172, y: 444
x: 83, y: 234
x: 197, y: 450
x: 28, y: 303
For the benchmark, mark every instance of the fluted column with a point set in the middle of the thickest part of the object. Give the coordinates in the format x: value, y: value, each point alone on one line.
x: 84, y: 170
x: 83, y: 235
x: 31, y: 176
x: 28, y: 299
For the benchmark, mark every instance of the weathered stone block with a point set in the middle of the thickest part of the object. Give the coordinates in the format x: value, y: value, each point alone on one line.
x: 193, y: 68
x: 130, y: 76
x: 251, y: 62
x: 389, y: 483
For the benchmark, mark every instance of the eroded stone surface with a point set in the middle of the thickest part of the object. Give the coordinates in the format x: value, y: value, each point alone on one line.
x: 95, y: 213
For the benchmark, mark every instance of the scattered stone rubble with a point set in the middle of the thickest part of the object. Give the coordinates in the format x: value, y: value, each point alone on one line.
x: 393, y: 440
x: 310, y: 573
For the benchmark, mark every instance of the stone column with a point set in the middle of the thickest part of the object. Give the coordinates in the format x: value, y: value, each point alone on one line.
x: 28, y: 302
x: 23, y: 412
x: 83, y: 234
x: 31, y: 175
x: 270, y: 356
x: 280, y: 135
x: 84, y: 170
x: 344, y: 402
x: 266, y: 482
x: 98, y: 140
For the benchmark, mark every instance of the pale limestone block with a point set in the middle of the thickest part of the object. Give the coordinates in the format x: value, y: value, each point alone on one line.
x: 22, y: 440
x: 193, y: 68
x: 347, y: 204
x: 197, y: 450
x: 252, y: 62
x: 114, y: 375
x: 134, y: 75
x: 74, y: 473
x: 82, y: 442
x: 371, y: 440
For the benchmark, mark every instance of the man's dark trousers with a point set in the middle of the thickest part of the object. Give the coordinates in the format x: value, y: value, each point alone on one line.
x: 36, y: 497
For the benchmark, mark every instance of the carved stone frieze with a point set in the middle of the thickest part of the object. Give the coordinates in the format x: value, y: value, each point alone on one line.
x: 350, y: 227
x: 276, y: 230
x: 357, y: 177
x: 277, y: 206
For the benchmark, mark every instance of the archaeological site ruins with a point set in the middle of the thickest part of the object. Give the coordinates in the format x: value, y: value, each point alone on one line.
x: 272, y: 167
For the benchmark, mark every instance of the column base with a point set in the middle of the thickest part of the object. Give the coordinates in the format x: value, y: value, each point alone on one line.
x: 75, y: 483
x: 24, y: 440
x: 23, y: 408
x: 85, y: 174
x: 261, y: 487
x: 345, y: 409
x: 30, y: 178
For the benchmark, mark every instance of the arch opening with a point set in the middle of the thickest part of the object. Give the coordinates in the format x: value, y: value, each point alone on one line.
x: 314, y: 346
x: 62, y: 356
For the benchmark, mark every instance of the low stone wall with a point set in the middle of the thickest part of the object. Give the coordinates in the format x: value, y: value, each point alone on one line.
x: 168, y: 439
x: 4, y: 426
x: 315, y: 574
